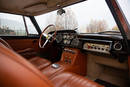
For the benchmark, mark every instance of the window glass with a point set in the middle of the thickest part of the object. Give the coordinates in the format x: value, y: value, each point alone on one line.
x: 90, y: 16
x: 125, y: 6
x: 12, y: 25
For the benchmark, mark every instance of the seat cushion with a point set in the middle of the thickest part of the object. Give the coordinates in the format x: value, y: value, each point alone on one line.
x: 39, y: 62
x: 68, y: 79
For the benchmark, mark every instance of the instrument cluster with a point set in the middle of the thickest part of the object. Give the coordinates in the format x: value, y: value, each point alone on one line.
x: 67, y: 39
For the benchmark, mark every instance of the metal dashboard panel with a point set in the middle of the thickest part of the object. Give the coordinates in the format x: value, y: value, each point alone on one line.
x: 102, y: 46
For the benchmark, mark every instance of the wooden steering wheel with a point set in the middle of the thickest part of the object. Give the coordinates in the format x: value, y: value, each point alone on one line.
x: 49, y: 37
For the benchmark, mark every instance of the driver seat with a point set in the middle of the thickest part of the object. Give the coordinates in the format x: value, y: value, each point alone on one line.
x: 15, y: 71
x: 37, y: 61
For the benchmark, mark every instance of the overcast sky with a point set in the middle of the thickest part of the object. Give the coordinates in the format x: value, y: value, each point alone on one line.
x: 84, y: 12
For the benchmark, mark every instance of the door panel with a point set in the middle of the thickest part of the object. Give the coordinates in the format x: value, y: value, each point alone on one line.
x: 21, y: 44
x: 29, y: 47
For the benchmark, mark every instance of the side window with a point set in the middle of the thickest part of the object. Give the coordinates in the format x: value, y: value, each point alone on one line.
x: 12, y: 25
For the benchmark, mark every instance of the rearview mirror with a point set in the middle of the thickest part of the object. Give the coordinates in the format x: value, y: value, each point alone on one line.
x: 61, y: 11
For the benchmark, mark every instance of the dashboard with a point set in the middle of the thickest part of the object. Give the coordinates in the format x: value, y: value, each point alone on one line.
x: 100, y: 44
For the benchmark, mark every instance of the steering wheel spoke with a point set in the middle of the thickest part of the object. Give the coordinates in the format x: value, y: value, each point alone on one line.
x: 45, y: 35
x: 45, y: 43
x: 49, y: 37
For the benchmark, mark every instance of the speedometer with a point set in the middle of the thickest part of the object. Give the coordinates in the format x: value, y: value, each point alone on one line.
x: 64, y: 36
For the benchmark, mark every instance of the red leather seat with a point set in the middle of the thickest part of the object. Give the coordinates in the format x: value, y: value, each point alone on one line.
x: 68, y: 79
x: 15, y: 71
x: 39, y: 62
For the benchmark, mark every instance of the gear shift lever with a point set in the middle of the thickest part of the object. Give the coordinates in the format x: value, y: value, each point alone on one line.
x: 55, y: 65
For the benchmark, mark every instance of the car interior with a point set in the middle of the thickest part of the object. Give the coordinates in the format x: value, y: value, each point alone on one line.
x: 57, y: 57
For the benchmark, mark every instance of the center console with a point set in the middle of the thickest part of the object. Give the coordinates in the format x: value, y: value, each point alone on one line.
x: 71, y: 60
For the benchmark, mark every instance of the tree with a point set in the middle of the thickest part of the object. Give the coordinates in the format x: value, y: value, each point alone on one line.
x: 115, y: 28
x: 97, y: 26
x: 67, y: 20
x: 64, y: 21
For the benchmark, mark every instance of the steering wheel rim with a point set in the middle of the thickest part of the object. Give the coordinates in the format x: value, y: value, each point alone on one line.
x: 47, y: 36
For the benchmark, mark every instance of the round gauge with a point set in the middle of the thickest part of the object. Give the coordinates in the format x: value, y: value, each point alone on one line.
x: 58, y: 38
x: 71, y: 36
x: 75, y: 42
x: 68, y: 36
x: 65, y: 41
x: 68, y: 41
x: 64, y: 36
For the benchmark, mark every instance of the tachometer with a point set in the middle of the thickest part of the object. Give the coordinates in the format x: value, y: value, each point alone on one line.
x: 58, y: 38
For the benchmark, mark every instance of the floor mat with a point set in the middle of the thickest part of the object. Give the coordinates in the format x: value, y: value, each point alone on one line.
x: 106, y: 84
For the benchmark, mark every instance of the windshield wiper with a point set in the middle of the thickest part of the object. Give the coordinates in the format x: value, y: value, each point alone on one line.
x: 75, y: 29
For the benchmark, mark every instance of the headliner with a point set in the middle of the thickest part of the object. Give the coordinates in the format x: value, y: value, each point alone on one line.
x: 33, y: 7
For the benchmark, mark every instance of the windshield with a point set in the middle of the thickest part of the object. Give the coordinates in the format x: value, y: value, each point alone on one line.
x: 91, y: 16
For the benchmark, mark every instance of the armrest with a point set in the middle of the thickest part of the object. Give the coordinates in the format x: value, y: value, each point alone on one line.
x: 25, y: 50
x: 27, y: 53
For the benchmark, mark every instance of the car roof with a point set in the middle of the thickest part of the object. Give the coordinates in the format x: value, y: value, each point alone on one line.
x: 33, y: 7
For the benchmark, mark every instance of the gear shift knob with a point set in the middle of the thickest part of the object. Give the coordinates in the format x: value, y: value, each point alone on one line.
x: 55, y: 65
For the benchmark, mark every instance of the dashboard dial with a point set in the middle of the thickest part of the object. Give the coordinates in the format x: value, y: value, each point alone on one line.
x: 65, y: 41
x: 68, y: 42
x: 58, y: 38
x: 71, y: 36
x: 68, y: 36
x: 75, y: 42
x: 64, y: 36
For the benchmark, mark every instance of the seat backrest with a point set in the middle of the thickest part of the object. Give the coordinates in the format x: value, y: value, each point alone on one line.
x: 15, y: 71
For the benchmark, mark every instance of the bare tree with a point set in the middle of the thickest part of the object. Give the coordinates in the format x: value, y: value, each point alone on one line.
x: 64, y: 21
x: 67, y: 20
x: 97, y: 26
x: 115, y: 28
